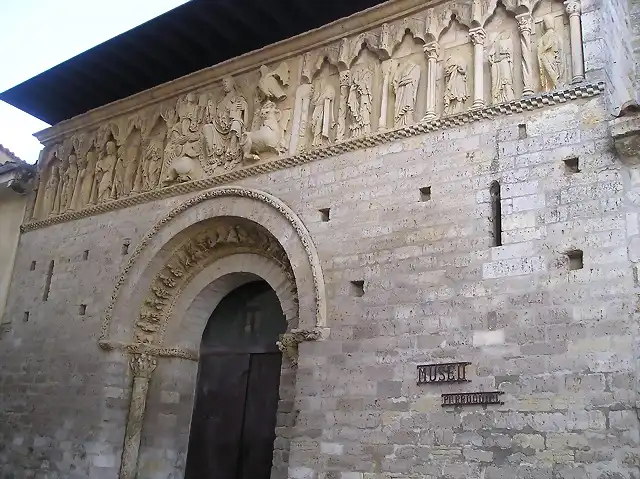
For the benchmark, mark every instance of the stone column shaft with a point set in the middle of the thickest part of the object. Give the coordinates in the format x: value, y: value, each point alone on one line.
x: 477, y: 37
x: 345, y: 82
x: 142, y: 367
x: 382, y: 122
x: 575, y: 29
x: 432, y: 51
x: 525, y: 25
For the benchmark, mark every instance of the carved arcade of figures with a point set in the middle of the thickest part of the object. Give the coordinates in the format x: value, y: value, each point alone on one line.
x: 290, y: 108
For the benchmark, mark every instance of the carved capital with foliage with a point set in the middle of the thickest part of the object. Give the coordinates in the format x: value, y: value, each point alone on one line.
x: 142, y: 365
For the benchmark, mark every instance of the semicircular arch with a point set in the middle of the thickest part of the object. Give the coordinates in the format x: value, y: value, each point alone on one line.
x: 184, y: 222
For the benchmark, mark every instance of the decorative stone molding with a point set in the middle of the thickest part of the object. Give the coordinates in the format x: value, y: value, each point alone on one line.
x: 288, y: 343
x: 282, y: 209
x: 541, y: 100
x: 626, y: 138
x: 220, y: 239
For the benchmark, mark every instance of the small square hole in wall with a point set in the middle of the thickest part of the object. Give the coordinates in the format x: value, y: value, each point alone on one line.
x: 575, y: 259
x: 571, y: 165
x: 325, y: 214
x: 357, y: 288
x: 522, y: 131
x: 85, y: 255
x: 125, y: 247
x: 25, y: 317
x: 425, y: 193
x: 33, y: 266
x: 82, y: 310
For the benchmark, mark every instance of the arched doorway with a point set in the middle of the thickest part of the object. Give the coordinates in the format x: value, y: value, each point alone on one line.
x: 237, y: 391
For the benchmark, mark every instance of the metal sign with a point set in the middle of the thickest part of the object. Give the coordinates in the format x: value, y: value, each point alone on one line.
x: 443, y: 373
x: 472, y: 399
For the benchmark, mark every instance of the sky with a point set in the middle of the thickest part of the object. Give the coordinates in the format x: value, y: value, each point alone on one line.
x: 39, y: 34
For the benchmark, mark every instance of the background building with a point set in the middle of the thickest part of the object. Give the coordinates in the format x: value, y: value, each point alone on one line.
x: 451, y: 185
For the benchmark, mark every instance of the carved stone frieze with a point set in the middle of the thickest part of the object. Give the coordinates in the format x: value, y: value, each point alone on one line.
x: 350, y: 88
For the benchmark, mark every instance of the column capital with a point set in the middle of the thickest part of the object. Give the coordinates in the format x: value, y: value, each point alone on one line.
x: 525, y: 22
x: 345, y: 78
x: 573, y: 7
x: 478, y: 35
x: 432, y: 50
x: 142, y: 365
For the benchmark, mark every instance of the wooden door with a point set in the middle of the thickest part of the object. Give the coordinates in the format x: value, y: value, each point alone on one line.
x: 234, y: 417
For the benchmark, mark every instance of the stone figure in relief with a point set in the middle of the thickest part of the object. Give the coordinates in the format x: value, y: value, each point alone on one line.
x: 405, y: 87
x: 501, y: 61
x: 117, y: 190
x: 50, y: 192
x: 151, y: 162
x: 455, y: 89
x: 270, y: 134
x: 70, y: 177
x: 360, y: 101
x: 271, y: 82
x: 322, y: 118
x: 60, y: 194
x: 549, y: 56
x: 183, y: 148
x: 132, y: 168
x: 225, y: 126
x: 104, y: 173
x: 76, y: 201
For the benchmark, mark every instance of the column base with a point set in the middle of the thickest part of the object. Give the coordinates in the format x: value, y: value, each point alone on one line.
x: 429, y: 116
x: 577, y: 79
x: 477, y: 104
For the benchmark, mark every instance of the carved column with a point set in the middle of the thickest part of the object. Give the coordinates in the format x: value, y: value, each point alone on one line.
x: 345, y: 82
x: 432, y: 51
x: 577, y: 61
x: 477, y: 37
x: 382, y: 122
x: 525, y: 24
x: 142, y: 366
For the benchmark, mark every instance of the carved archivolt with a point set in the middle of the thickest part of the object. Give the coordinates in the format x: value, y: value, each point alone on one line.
x: 396, y: 75
x: 200, y: 251
x: 225, y: 238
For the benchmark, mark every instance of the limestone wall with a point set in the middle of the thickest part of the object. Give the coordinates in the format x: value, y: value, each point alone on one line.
x: 396, y: 203
x: 559, y: 343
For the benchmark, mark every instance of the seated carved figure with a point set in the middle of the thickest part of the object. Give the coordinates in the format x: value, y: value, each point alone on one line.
x: 269, y: 135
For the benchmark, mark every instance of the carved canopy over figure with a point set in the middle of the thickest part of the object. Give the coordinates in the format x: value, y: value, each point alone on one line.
x: 405, y: 86
x: 455, y: 90
x: 225, y: 126
x: 360, y: 101
x: 501, y: 61
x: 322, y: 118
x: 549, y: 56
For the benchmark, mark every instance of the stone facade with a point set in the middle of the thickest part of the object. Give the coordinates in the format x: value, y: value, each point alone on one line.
x: 380, y: 247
